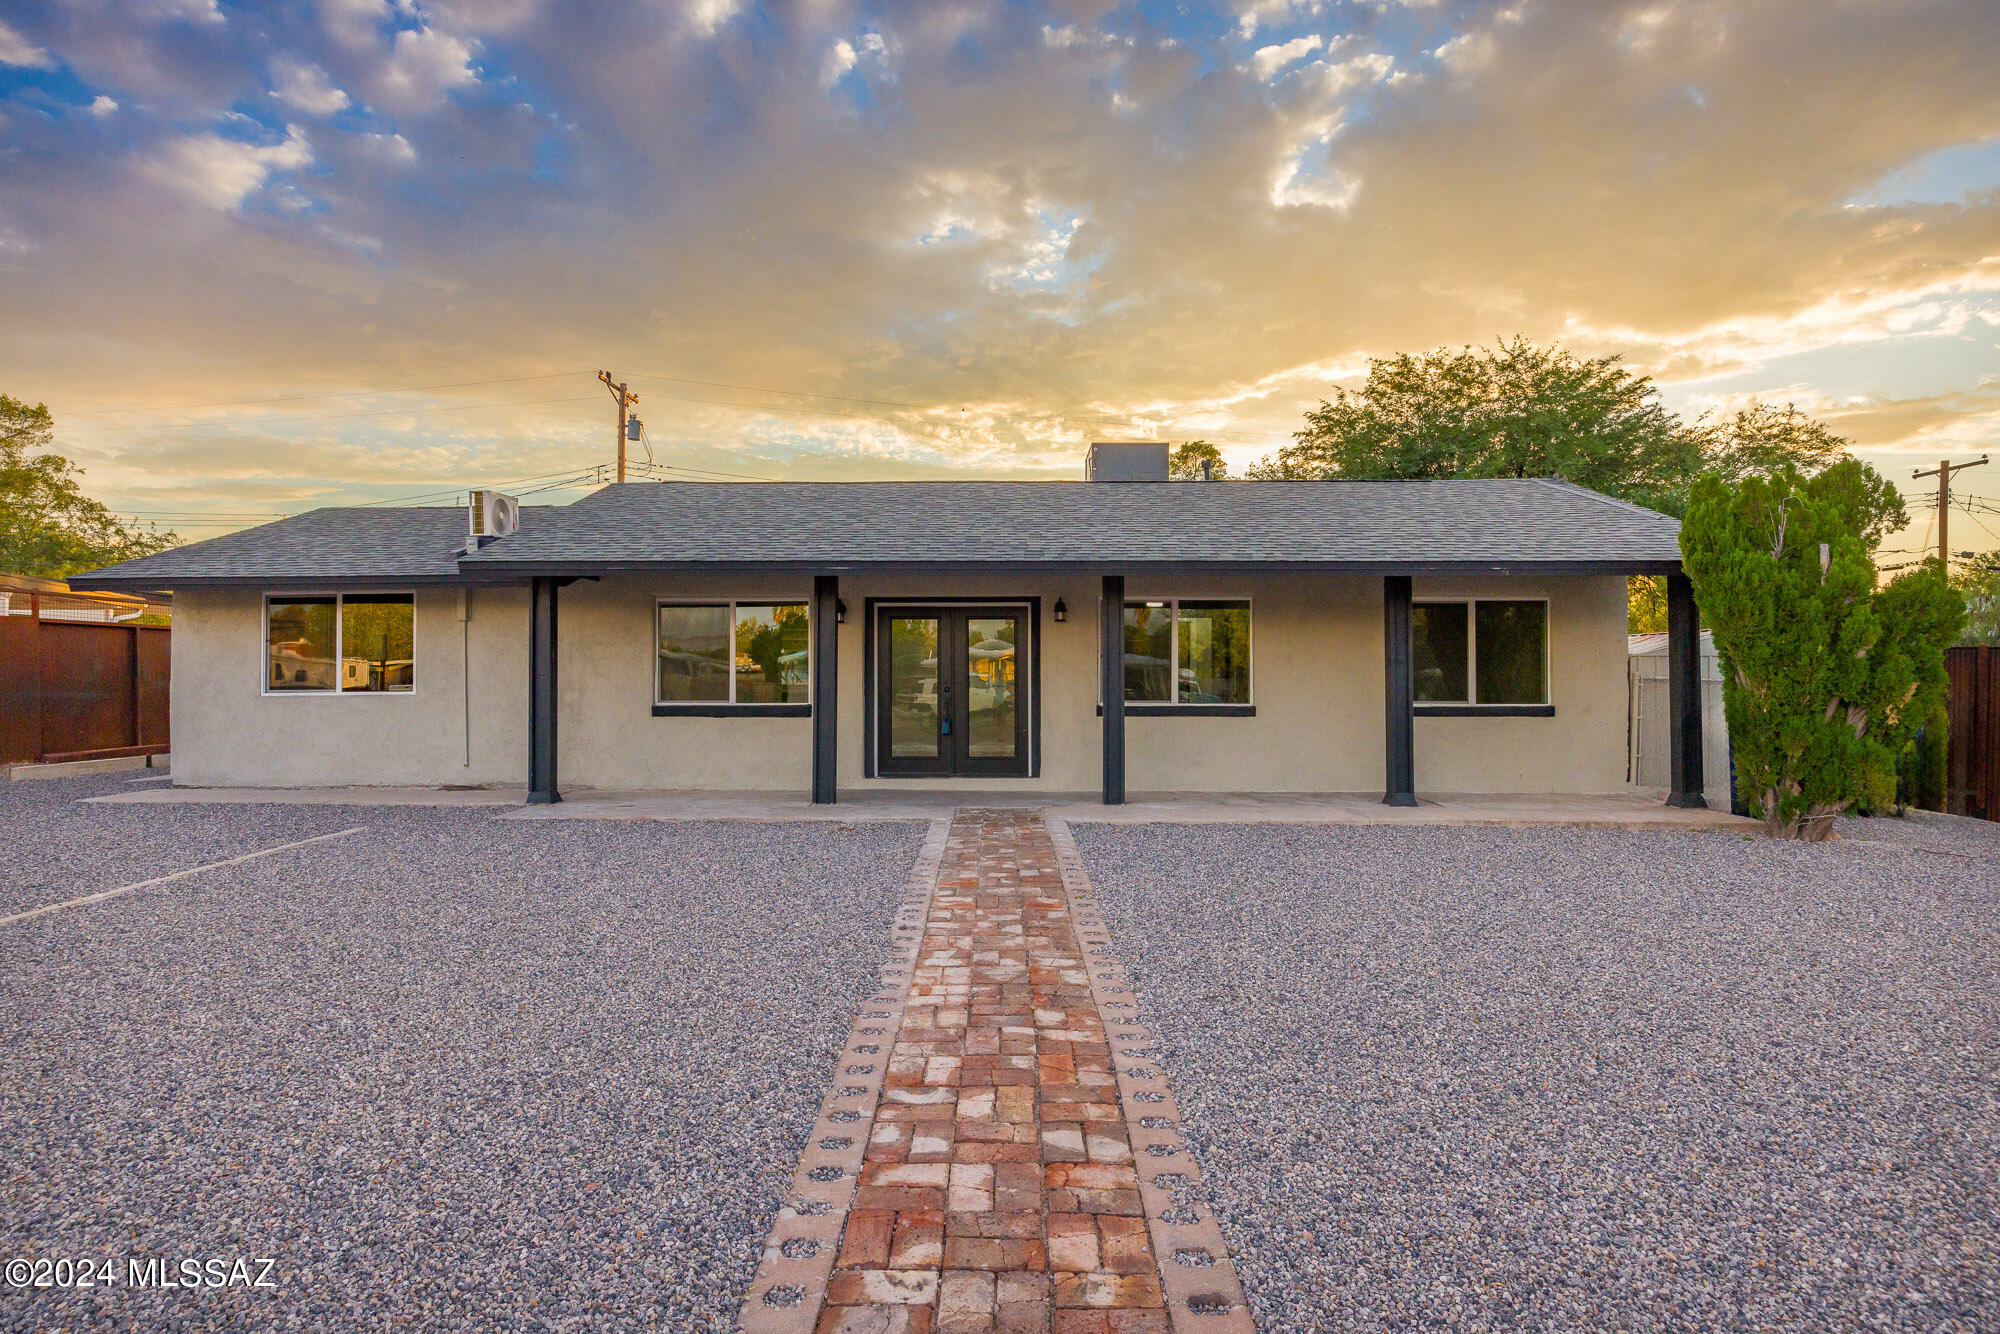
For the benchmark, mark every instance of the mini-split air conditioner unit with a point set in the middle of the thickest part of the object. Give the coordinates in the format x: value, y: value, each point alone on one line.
x: 493, y: 514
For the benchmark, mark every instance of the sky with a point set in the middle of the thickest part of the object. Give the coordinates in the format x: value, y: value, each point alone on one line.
x: 263, y: 258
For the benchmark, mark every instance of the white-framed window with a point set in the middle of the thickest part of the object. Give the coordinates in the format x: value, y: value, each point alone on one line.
x: 1480, y: 651
x: 339, y: 643
x: 1193, y: 652
x: 728, y: 653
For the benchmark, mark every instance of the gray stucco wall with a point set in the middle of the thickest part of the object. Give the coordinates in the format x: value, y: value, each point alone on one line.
x: 1316, y: 679
x: 229, y: 732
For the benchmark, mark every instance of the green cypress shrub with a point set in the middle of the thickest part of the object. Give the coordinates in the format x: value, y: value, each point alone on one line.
x: 1826, y: 677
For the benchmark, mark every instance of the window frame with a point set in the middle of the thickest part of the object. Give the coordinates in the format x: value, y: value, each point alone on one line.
x: 339, y: 638
x: 729, y: 708
x: 1469, y: 707
x: 1176, y: 707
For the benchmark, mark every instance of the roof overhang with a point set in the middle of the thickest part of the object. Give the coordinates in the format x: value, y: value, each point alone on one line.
x: 480, y: 573
x: 318, y: 583
x: 483, y: 572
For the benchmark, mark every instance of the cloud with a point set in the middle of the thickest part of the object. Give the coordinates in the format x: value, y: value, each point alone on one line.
x: 706, y: 16
x: 303, y: 86
x: 1269, y: 60
x: 840, y: 60
x: 102, y: 106
x: 1253, y: 14
x: 389, y: 148
x: 16, y: 50
x: 870, y: 52
x: 423, y: 66
x: 355, y: 23
x: 1037, y: 227
x: 222, y: 173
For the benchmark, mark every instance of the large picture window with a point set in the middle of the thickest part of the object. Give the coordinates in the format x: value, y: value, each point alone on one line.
x: 1480, y: 651
x: 1182, y: 651
x: 340, y: 643
x: 732, y: 654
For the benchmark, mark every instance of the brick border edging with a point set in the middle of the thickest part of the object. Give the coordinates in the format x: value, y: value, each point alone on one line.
x: 815, y: 1211
x: 1201, y: 1298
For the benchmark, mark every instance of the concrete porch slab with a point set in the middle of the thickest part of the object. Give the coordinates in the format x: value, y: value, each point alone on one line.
x: 1642, y: 810
x: 316, y: 796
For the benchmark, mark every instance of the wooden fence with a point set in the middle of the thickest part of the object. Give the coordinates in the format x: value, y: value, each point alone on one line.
x: 79, y: 690
x: 1972, y: 760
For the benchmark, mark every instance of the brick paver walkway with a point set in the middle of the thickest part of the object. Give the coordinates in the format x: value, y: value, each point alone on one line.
x: 1021, y: 1169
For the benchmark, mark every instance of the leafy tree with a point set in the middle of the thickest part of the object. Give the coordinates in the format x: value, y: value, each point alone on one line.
x: 1760, y: 440
x: 1514, y: 410
x: 1185, y: 463
x: 1979, y: 580
x: 1646, y: 605
x: 1825, y: 676
x: 48, y: 527
x: 1518, y: 410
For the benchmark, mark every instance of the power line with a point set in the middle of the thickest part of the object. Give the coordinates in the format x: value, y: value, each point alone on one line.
x: 1943, y: 472
x: 459, y: 491
x: 594, y: 476
x: 795, y: 393
x: 307, y: 398
x: 328, y: 416
x: 708, y: 472
x: 1982, y: 523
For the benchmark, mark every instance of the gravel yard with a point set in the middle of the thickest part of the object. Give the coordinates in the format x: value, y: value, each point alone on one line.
x: 1560, y: 1079
x: 449, y: 1073
x: 54, y: 846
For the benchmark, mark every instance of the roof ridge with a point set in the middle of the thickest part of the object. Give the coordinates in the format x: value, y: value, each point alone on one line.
x: 1564, y: 484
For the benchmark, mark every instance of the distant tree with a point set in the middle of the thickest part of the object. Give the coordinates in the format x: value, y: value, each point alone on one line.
x: 1646, y: 605
x: 1185, y: 463
x: 1513, y: 410
x: 1825, y: 676
x: 1519, y: 410
x: 48, y: 527
x: 1759, y: 440
x: 1979, y: 581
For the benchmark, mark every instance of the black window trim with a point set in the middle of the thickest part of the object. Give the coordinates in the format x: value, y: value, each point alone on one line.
x: 1174, y: 708
x: 1469, y: 707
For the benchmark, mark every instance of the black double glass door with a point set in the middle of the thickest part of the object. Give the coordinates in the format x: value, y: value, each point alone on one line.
x: 951, y: 690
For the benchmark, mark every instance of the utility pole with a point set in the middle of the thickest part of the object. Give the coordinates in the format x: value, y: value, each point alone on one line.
x: 1943, y: 473
x: 626, y: 398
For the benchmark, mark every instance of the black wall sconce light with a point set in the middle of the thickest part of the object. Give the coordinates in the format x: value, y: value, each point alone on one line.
x: 839, y: 612
x: 1061, y: 611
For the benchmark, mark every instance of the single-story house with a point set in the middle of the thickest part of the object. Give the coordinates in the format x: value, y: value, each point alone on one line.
x: 1458, y: 636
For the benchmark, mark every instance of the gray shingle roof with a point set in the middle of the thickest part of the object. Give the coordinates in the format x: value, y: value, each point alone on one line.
x: 1501, y: 524
x: 1499, y: 521
x: 388, y: 546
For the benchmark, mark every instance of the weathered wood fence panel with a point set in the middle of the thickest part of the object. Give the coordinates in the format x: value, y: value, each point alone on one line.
x: 1972, y: 759
x: 76, y: 690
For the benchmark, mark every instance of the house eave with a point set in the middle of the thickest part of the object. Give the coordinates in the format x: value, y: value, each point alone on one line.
x: 491, y: 573
x: 513, y: 571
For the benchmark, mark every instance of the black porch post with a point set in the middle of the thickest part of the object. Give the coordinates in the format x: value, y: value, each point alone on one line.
x: 1398, y: 722
x: 1684, y: 693
x: 1111, y: 628
x: 825, y: 676
x: 542, y: 789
